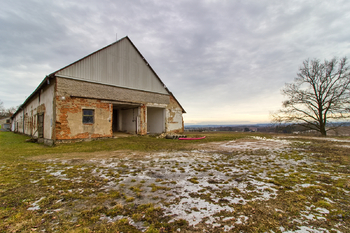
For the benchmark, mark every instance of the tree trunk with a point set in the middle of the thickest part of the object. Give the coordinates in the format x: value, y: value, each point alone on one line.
x: 323, y: 131
x: 322, y: 120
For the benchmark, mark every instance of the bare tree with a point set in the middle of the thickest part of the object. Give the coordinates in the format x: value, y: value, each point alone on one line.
x: 2, y: 109
x: 6, y: 112
x: 319, y: 97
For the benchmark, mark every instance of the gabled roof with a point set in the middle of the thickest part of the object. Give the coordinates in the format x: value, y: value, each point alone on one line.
x: 67, y: 71
x: 118, y: 64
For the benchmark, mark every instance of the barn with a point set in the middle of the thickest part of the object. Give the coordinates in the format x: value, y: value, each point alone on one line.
x: 111, y: 90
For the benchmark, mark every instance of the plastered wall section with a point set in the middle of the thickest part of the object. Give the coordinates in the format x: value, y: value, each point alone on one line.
x: 174, y: 121
x: 41, y: 102
x: 69, y: 118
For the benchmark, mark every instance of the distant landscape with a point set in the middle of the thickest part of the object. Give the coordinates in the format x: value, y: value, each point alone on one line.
x: 267, y: 128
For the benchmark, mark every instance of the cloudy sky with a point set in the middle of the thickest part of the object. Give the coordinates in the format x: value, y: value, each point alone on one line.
x: 224, y: 60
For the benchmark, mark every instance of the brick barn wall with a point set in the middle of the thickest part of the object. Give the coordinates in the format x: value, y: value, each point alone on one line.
x: 69, y: 118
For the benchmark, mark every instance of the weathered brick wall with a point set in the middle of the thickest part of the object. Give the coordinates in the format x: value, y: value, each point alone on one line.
x: 69, y: 123
x: 174, y: 120
x: 70, y: 87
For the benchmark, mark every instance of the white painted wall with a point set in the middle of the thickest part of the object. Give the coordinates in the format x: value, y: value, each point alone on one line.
x: 17, y: 125
x: 155, y: 120
x: 29, y: 114
x: 47, y: 97
x: 129, y: 120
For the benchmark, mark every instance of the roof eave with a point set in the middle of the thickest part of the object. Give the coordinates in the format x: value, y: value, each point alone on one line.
x: 45, y: 81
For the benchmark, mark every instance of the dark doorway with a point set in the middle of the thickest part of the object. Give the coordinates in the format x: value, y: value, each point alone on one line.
x: 125, y: 118
x: 40, y: 125
x: 115, y: 127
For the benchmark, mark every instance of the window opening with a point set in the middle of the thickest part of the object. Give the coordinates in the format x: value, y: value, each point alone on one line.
x: 88, y: 116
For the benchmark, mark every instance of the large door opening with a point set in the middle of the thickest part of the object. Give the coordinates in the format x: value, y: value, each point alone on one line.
x: 125, y: 118
x: 115, y: 125
x: 155, y: 120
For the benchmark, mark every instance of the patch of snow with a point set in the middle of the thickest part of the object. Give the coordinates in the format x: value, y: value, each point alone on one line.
x: 299, y: 186
x: 35, y: 205
x: 241, y: 219
x: 336, y: 230
x: 322, y: 210
x: 305, y: 229
x: 310, y: 216
x: 227, y: 219
x: 35, y: 181
x: 58, y: 173
x: 272, y: 140
x: 194, y: 210
x: 228, y: 228
x: 328, y: 200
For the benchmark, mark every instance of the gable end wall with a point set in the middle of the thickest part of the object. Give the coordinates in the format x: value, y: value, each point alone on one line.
x: 72, y: 96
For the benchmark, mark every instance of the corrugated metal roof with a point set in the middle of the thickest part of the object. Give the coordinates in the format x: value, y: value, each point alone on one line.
x: 120, y: 64
x: 147, y: 81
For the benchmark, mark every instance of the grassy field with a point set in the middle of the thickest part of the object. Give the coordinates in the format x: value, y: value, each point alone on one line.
x: 233, y: 182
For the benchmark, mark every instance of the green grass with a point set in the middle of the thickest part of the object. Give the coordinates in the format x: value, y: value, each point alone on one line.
x: 13, y: 147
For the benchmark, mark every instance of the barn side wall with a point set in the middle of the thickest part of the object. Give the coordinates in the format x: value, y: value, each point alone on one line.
x: 26, y: 119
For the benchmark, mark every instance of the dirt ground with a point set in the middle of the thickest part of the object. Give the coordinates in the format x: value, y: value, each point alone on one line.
x: 227, y: 186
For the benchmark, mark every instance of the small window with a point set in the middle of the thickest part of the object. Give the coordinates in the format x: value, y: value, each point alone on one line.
x: 88, y: 116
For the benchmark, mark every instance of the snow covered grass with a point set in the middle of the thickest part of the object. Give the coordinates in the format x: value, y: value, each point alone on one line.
x: 240, y: 183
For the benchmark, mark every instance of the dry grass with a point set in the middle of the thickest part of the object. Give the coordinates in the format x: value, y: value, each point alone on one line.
x: 228, y: 182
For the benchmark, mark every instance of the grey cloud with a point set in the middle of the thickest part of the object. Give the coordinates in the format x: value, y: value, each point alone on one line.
x: 213, y: 55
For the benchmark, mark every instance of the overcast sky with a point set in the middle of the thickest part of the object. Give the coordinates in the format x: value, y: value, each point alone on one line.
x: 224, y: 60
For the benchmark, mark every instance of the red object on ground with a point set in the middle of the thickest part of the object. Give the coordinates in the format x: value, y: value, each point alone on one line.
x: 191, y: 138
